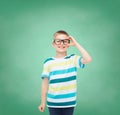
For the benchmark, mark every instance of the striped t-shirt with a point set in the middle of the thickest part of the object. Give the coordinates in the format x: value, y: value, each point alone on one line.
x: 61, y: 73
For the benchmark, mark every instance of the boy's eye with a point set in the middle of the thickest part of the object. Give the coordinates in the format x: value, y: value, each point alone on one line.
x: 66, y: 41
x: 57, y: 41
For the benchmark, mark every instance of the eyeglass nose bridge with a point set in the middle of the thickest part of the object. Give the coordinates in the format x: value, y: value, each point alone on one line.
x: 62, y: 41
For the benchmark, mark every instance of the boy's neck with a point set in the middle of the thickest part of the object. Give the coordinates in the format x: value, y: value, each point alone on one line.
x: 60, y: 54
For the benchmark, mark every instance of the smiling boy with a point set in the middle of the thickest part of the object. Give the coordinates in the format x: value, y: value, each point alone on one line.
x: 59, y: 75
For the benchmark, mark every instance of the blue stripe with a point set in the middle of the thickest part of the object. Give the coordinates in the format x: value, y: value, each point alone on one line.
x: 48, y: 60
x: 62, y: 96
x: 67, y: 57
x: 61, y: 104
x: 57, y: 72
x: 63, y: 79
x: 81, y: 64
x: 45, y: 76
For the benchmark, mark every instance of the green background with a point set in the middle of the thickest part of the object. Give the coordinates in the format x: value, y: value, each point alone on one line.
x: 26, y: 29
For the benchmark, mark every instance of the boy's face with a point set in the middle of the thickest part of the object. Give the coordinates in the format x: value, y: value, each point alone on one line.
x: 61, y: 42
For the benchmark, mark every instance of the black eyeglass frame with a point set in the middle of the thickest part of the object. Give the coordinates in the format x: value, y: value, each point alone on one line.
x: 65, y: 41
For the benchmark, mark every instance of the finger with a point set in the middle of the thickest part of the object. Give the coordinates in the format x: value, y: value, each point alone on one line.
x: 70, y: 37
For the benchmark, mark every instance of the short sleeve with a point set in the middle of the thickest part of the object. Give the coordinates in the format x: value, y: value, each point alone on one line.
x: 77, y: 61
x: 45, y: 73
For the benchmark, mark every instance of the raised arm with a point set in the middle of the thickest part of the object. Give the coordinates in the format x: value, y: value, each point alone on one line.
x: 44, y: 89
x: 86, y: 58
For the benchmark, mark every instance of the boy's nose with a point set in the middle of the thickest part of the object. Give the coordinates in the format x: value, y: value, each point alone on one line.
x: 62, y: 41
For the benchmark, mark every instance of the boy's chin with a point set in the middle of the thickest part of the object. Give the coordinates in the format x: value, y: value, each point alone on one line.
x: 61, y: 51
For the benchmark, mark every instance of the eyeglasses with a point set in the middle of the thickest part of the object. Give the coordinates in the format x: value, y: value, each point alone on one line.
x: 58, y: 42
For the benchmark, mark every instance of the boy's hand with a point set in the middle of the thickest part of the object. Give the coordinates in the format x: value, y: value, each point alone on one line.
x: 73, y: 42
x: 86, y: 58
x: 41, y: 107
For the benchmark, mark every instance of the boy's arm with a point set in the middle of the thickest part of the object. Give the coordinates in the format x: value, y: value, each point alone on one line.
x: 86, y: 58
x: 44, y: 89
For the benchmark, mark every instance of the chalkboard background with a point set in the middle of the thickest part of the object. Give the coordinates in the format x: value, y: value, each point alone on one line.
x: 26, y: 29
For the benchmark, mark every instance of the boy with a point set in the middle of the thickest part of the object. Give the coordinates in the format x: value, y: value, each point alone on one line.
x: 59, y: 75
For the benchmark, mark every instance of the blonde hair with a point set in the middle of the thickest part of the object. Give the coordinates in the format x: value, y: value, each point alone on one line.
x: 60, y: 32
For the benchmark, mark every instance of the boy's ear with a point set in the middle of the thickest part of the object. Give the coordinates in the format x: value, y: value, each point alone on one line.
x: 53, y: 45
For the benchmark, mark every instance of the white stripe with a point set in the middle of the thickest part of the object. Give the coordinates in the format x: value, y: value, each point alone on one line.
x: 54, y: 68
x: 54, y: 61
x: 61, y: 100
x: 62, y: 106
